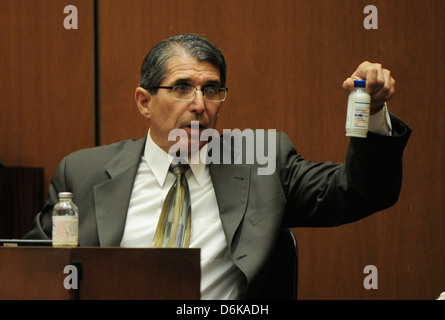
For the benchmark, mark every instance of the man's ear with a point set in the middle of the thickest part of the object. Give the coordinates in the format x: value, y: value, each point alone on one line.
x: 142, y: 98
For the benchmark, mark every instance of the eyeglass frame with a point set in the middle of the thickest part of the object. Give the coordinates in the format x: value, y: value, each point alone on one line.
x: 194, y: 93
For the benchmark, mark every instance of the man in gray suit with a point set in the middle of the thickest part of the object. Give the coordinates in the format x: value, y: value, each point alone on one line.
x: 237, y: 212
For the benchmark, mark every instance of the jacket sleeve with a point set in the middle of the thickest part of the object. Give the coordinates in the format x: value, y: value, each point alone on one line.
x: 330, y: 194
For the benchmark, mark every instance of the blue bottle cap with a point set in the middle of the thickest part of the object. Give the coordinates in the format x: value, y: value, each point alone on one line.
x: 359, y: 83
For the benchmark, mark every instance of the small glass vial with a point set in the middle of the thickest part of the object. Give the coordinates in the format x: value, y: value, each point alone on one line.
x: 65, y: 221
x: 359, y: 106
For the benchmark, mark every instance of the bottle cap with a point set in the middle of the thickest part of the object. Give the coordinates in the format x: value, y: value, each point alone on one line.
x: 359, y: 83
x: 65, y: 195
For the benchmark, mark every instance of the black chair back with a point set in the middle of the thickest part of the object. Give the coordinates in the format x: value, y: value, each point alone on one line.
x: 282, y: 281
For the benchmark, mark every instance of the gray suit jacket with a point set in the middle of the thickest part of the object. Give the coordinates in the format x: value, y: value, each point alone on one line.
x: 253, y: 208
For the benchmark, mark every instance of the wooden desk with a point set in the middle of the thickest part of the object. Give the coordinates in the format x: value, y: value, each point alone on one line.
x: 107, y: 273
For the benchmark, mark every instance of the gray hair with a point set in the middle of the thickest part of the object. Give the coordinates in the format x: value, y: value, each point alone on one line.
x: 154, y: 68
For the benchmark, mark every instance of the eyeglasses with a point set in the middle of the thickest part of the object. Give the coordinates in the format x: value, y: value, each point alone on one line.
x: 188, y: 93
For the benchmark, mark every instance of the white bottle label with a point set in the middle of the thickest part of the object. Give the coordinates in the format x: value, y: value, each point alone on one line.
x: 357, y: 118
x: 65, y: 230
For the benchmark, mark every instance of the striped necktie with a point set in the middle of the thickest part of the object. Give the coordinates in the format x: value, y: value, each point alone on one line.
x: 174, y: 224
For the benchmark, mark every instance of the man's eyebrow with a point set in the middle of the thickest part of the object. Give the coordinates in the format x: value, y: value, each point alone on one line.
x: 182, y: 80
x: 188, y: 80
x: 213, y: 82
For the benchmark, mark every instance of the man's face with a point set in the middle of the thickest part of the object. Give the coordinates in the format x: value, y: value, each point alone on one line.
x: 166, y: 113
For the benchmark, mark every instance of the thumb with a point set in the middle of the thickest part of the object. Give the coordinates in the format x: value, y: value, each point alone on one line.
x: 348, y: 84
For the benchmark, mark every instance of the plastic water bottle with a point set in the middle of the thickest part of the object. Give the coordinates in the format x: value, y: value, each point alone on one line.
x: 359, y: 106
x: 65, y: 221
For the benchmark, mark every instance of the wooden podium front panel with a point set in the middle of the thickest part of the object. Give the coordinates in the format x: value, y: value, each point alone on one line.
x: 136, y: 273
x: 107, y: 273
x: 30, y: 273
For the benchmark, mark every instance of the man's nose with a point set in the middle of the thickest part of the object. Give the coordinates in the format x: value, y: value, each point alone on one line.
x: 198, y: 102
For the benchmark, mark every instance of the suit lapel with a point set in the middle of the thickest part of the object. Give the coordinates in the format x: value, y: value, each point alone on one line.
x: 231, y: 184
x: 112, y: 197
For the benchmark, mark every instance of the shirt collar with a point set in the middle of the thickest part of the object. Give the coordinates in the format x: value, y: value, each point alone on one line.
x: 159, y: 162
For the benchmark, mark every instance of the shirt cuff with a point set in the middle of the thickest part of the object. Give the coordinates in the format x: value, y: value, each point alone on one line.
x: 380, y: 122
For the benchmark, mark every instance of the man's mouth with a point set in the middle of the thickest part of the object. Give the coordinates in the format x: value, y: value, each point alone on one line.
x: 194, y: 127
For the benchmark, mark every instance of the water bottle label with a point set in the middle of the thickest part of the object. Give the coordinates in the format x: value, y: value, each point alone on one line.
x: 65, y: 229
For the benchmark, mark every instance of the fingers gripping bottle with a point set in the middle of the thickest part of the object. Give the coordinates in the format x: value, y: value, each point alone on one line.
x: 359, y: 105
x: 65, y: 221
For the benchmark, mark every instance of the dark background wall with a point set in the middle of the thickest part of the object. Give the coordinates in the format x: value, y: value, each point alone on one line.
x: 63, y: 90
